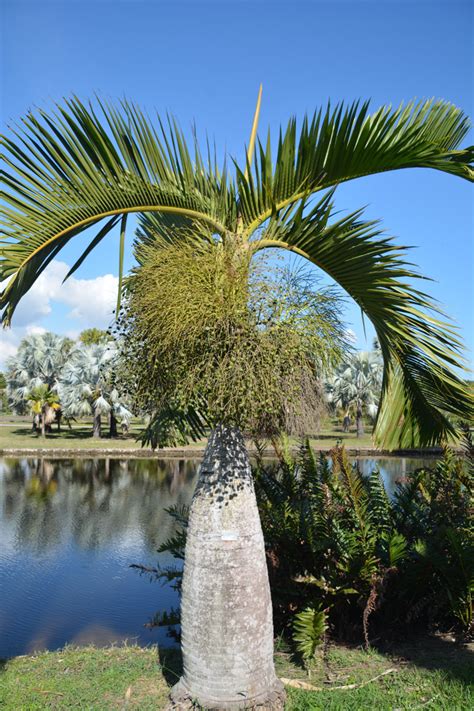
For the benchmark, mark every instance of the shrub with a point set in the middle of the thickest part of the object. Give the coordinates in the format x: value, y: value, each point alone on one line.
x: 336, y: 541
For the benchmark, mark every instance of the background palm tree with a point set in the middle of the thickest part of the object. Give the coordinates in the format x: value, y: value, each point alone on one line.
x: 39, y: 361
x: 72, y: 168
x: 43, y: 403
x: 356, y: 386
x: 86, y: 386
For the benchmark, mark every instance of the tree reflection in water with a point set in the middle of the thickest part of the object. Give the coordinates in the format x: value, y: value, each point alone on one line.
x: 74, y: 526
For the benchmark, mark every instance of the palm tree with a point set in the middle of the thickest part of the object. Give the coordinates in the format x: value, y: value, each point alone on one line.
x: 84, y: 165
x: 43, y: 403
x: 85, y: 387
x: 356, y: 385
x: 39, y: 361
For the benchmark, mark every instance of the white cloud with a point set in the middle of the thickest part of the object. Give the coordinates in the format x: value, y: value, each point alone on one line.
x: 91, y: 303
x: 91, y: 300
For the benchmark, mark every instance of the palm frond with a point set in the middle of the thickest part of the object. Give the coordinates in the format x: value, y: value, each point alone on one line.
x: 174, y: 427
x: 73, y: 167
x: 380, y: 509
x: 347, y: 142
x: 420, y: 390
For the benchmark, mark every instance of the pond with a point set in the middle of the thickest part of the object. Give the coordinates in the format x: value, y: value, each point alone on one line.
x: 69, y: 531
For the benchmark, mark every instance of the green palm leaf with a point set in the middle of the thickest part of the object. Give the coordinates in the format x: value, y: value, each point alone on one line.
x: 343, y: 143
x: 420, y: 390
x: 71, y: 169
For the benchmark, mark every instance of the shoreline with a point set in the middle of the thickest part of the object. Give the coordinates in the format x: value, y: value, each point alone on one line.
x: 198, y: 452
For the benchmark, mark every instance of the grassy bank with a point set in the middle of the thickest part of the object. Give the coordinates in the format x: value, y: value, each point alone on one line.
x: 18, y: 435
x: 15, y: 433
x: 434, y: 674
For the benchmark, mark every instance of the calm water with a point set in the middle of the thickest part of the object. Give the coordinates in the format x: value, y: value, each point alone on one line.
x: 69, y: 530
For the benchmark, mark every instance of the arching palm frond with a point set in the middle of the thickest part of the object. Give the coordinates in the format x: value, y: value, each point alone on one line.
x: 73, y: 168
x: 344, y: 143
x: 420, y: 390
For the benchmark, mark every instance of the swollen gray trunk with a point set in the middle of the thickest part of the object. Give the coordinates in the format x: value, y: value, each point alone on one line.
x: 226, y: 611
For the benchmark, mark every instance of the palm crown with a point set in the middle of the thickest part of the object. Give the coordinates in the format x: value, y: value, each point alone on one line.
x: 357, y: 383
x: 93, y: 164
x: 39, y: 361
x: 86, y: 383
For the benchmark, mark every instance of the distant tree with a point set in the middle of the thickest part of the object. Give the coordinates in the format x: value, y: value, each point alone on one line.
x: 356, y: 386
x: 93, y: 336
x: 3, y: 394
x: 87, y: 387
x: 39, y: 361
x: 44, y: 403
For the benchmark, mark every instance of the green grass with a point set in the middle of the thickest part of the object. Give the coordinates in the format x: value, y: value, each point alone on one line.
x: 18, y: 435
x: 84, y: 678
x: 15, y: 433
x: 433, y: 674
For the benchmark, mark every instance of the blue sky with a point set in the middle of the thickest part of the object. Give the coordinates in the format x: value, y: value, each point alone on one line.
x: 203, y: 61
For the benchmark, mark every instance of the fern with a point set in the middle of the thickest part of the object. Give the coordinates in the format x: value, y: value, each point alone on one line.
x: 392, y: 549
x: 353, y: 487
x: 308, y: 466
x: 380, y: 509
x: 309, y: 628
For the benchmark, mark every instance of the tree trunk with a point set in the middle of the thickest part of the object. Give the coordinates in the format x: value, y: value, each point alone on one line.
x: 113, y: 425
x: 346, y: 423
x: 226, y: 610
x: 43, y: 422
x: 360, y: 424
x: 97, y: 430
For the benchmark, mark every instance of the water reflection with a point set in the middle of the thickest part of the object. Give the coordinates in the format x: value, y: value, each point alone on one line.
x: 392, y: 468
x: 69, y: 530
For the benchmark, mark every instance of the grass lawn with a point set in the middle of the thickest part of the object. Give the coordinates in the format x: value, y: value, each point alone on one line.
x: 433, y: 674
x: 15, y: 433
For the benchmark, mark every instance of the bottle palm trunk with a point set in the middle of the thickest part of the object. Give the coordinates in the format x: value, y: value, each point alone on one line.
x: 226, y: 611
